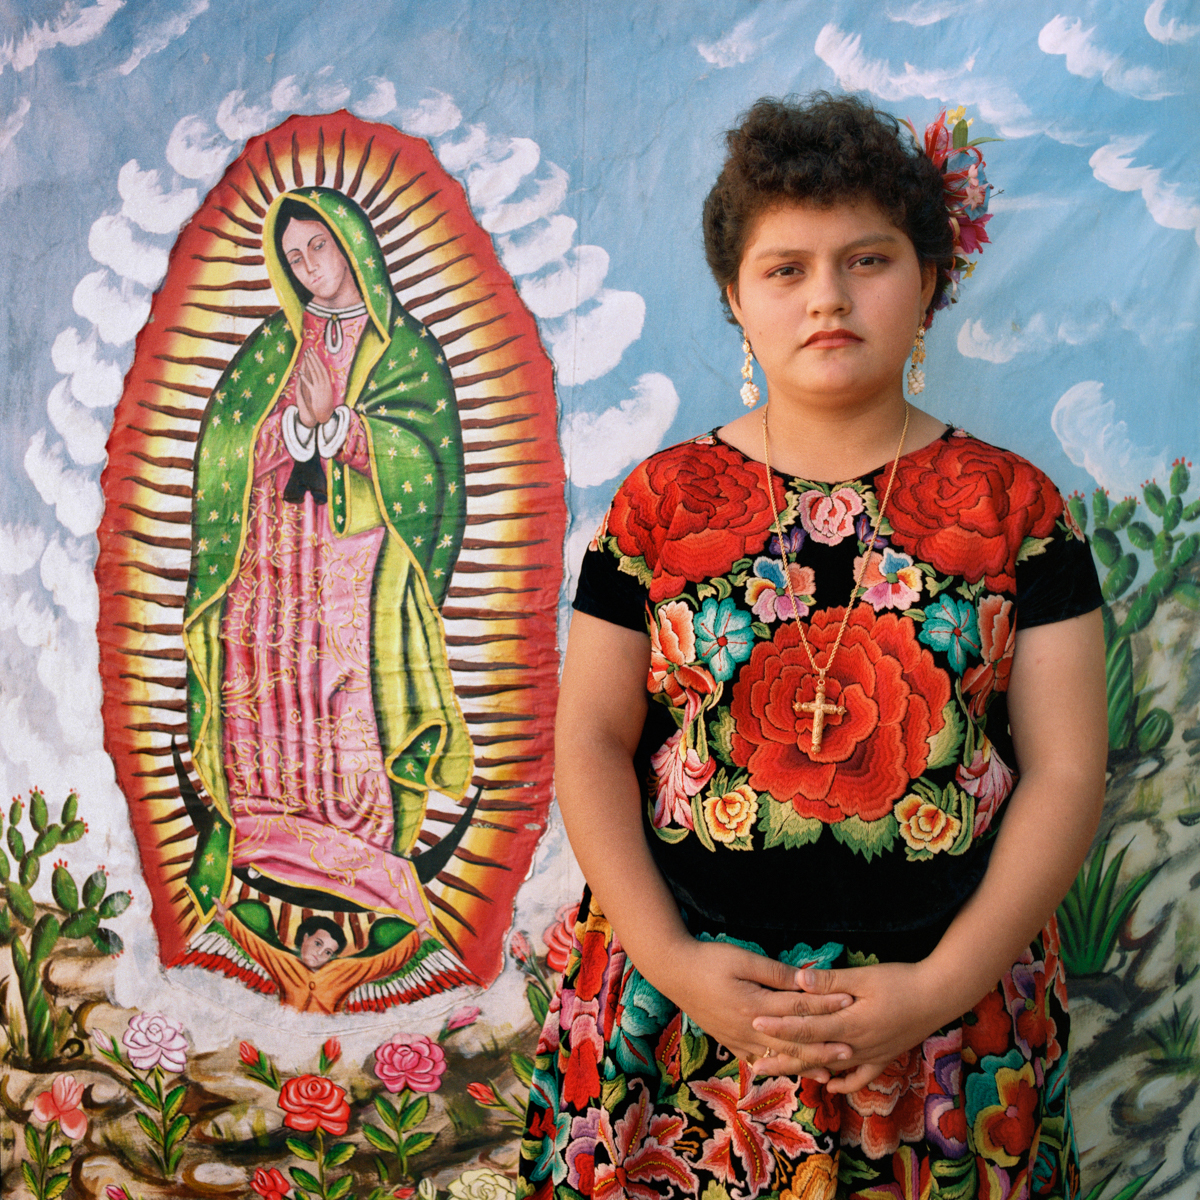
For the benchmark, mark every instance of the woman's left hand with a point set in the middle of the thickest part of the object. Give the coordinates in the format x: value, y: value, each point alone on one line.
x: 896, y: 1007
x: 314, y: 393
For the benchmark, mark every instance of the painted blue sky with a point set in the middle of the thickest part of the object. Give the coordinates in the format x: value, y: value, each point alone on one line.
x: 586, y: 138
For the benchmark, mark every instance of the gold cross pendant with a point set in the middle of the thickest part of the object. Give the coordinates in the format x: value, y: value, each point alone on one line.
x: 819, y: 709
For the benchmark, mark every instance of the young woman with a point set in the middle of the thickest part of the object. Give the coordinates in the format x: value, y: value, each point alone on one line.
x: 813, y: 654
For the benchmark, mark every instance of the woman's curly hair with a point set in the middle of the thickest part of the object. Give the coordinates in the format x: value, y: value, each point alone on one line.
x: 821, y: 150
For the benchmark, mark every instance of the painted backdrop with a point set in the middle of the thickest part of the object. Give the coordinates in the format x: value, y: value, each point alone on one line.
x: 518, y: 188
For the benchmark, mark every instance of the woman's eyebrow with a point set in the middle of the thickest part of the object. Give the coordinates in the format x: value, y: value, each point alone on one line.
x: 870, y: 239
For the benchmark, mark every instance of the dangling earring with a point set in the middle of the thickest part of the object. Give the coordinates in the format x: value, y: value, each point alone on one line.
x: 916, y: 377
x: 749, y: 387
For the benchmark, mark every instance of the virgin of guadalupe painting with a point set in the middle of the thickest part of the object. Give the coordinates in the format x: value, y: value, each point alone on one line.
x: 333, y: 723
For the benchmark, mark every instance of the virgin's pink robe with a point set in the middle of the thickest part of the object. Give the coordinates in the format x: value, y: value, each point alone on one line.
x: 310, y: 799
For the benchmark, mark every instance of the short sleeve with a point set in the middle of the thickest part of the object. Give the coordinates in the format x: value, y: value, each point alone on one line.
x: 607, y: 592
x: 1059, y: 580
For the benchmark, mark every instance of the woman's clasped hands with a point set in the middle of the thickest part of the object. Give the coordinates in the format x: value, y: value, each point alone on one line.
x: 314, y: 391
x: 839, y: 1027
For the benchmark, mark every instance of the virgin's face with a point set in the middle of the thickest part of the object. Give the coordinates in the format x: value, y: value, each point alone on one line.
x: 831, y: 300
x: 319, y: 264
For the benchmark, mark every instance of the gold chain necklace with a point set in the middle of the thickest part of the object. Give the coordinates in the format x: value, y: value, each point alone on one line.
x: 817, y: 706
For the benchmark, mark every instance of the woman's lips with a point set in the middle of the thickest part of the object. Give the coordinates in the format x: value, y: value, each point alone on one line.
x: 830, y: 338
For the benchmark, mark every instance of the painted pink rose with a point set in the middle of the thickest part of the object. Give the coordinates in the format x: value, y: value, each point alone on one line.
x: 829, y: 519
x: 989, y: 780
x: 410, y: 1060
x: 675, y: 780
x: 152, y: 1040
x: 61, y: 1104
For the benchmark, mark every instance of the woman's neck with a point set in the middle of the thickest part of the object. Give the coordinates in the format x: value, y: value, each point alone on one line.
x: 831, y: 445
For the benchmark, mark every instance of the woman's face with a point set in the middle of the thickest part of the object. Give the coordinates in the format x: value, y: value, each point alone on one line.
x: 319, y: 264
x: 831, y: 300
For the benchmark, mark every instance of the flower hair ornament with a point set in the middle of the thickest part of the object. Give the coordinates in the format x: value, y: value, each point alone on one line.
x: 950, y: 147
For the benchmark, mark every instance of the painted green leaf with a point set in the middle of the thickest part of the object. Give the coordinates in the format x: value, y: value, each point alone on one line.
x: 1100, y: 505
x: 56, y: 1185
x: 305, y: 1178
x: 177, y: 1129
x: 1186, y: 550
x: 1141, y: 611
x: 539, y: 1003
x: 338, y: 1154
x: 58, y: 1157
x: 148, y: 1127
x: 414, y: 1113
x: 30, y: 869
x: 301, y: 1149
x: 1119, y: 578
x: 74, y: 831
x: 107, y: 942
x: 782, y: 825
x: 144, y: 1092
x: 70, y: 809
x: 1118, y: 668
x: 416, y: 1142
x: 16, y: 843
x: 1156, y: 502
x: 45, y: 935
x: 341, y: 1187
x: 31, y: 1142
x: 1172, y: 513
x: 173, y: 1100
x: 1140, y: 535
x: 387, y: 1111
x: 82, y: 924
x: 47, y: 840
x: 380, y: 1139
x: 522, y: 1066
x: 1155, y: 730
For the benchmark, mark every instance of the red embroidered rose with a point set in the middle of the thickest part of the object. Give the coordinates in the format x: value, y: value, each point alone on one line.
x: 893, y: 696
x: 889, y: 1110
x: 987, y: 1028
x: 713, y: 501
x: 965, y: 507
x: 314, y: 1102
x: 559, y: 936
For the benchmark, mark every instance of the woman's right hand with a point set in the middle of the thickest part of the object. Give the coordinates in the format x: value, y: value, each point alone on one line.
x: 723, y: 988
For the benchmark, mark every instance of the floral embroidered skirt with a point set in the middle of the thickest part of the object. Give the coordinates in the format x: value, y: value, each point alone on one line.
x: 630, y: 1099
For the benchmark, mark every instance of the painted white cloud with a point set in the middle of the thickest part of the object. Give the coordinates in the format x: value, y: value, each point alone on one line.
x: 566, y: 284
x: 1083, y: 421
x: 112, y: 244
x: 117, y: 313
x: 194, y: 150
x: 24, y: 614
x: 20, y: 547
x: 74, y: 495
x: 538, y: 244
x: 547, y: 194
x: 95, y: 382
x: 1172, y: 30
x: 287, y: 96
x: 498, y: 172
x: 83, y: 434
x: 434, y: 116
x: 72, y: 27
x: 928, y: 12
x: 1037, y: 334
x: 1166, y: 202
x: 147, y: 205
x: 737, y: 46
x: 1086, y: 59
x: 14, y: 122
x: 67, y: 575
x: 997, y: 102
x: 239, y: 121
x: 588, y: 344
x: 600, y: 445
x: 159, y: 35
x: 379, y: 101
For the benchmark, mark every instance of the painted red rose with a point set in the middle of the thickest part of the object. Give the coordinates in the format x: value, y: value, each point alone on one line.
x: 314, y: 1102
x: 965, y: 507
x: 893, y: 695
x: 713, y: 501
x: 270, y: 1184
x: 889, y: 1110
